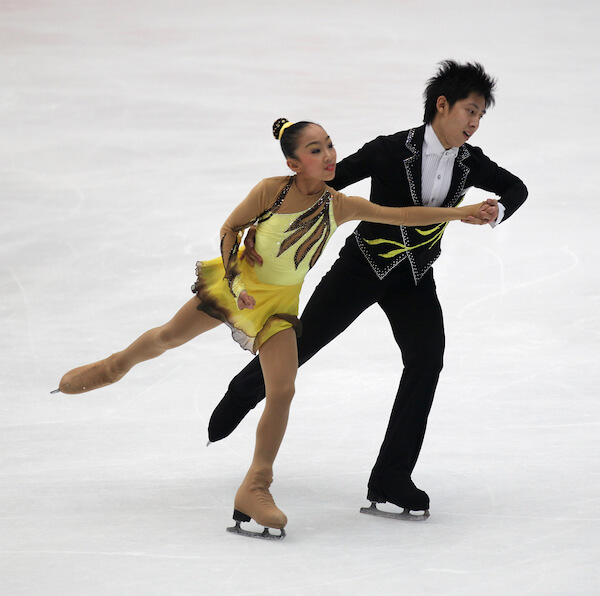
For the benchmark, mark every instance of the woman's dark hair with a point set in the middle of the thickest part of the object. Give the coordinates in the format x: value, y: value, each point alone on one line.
x: 455, y: 82
x: 289, y: 138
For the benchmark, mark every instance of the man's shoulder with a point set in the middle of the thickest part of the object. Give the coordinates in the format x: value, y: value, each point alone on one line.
x: 415, y: 133
x: 409, y: 140
x: 472, y: 149
x: 473, y: 154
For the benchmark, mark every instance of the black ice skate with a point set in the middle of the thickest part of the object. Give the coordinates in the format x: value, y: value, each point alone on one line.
x: 405, y: 514
x: 404, y: 494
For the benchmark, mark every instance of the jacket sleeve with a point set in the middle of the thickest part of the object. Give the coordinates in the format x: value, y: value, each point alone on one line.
x: 359, y: 165
x: 510, y: 189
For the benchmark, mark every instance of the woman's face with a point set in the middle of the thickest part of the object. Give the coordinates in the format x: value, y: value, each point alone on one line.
x: 315, y: 154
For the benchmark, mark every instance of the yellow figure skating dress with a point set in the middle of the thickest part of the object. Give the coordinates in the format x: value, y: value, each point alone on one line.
x: 289, y: 244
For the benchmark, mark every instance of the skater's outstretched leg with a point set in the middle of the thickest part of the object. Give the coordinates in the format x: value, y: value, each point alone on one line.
x: 279, y: 361
x: 184, y: 326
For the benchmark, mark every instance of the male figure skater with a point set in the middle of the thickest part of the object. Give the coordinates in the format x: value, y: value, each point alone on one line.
x: 432, y: 165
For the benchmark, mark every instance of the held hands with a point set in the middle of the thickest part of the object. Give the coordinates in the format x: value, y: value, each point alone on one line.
x: 250, y: 254
x: 245, y: 301
x: 488, y: 212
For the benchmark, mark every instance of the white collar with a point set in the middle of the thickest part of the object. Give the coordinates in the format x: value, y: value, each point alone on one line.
x: 432, y: 145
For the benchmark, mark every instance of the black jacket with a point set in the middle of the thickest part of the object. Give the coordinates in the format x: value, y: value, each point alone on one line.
x: 394, y: 165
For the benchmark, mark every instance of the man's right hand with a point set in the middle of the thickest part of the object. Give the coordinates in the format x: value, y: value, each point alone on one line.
x: 249, y: 253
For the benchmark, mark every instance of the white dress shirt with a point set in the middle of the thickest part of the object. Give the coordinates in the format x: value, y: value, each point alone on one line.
x: 436, y: 172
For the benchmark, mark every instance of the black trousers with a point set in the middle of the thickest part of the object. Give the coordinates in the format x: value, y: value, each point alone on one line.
x: 415, y: 317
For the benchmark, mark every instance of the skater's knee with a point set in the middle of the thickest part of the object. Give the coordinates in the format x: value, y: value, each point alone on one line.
x: 429, y: 357
x: 436, y: 360
x: 287, y: 391
x: 283, y: 393
x: 435, y: 363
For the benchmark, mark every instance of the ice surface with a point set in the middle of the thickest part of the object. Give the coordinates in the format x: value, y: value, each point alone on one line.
x: 129, y: 130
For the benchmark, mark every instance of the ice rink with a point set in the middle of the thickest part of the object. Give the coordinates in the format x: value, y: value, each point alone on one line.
x: 128, y: 132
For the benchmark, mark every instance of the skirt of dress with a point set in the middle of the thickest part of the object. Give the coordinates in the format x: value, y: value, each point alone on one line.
x: 276, y: 307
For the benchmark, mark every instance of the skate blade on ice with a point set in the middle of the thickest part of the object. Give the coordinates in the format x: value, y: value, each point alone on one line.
x: 404, y: 515
x: 239, y: 517
x: 264, y: 535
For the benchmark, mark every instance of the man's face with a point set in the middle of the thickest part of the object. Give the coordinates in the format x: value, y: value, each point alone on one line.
x: 455, y: 125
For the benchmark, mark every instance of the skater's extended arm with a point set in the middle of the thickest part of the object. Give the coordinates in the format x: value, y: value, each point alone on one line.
x: 357, y: 208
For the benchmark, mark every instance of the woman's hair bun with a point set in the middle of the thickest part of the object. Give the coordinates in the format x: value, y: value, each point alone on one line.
x: 277, y: 127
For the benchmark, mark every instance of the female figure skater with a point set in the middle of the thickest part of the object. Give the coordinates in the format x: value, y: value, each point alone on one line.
x: 295, y: 217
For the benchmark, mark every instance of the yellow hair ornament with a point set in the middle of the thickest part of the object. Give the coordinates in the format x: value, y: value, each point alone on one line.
x: 286, y: 125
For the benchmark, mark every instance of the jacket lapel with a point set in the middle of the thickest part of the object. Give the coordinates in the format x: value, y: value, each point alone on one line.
x: 412, y: 164
x: 459, y: 177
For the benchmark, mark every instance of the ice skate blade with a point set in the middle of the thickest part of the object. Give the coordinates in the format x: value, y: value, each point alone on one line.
x: 405, y: 515
x: 55, y: 391
x: 264, y: 535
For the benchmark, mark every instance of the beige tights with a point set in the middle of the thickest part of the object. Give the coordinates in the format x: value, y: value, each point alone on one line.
x: 279, y: 362
x: 188, y: 322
